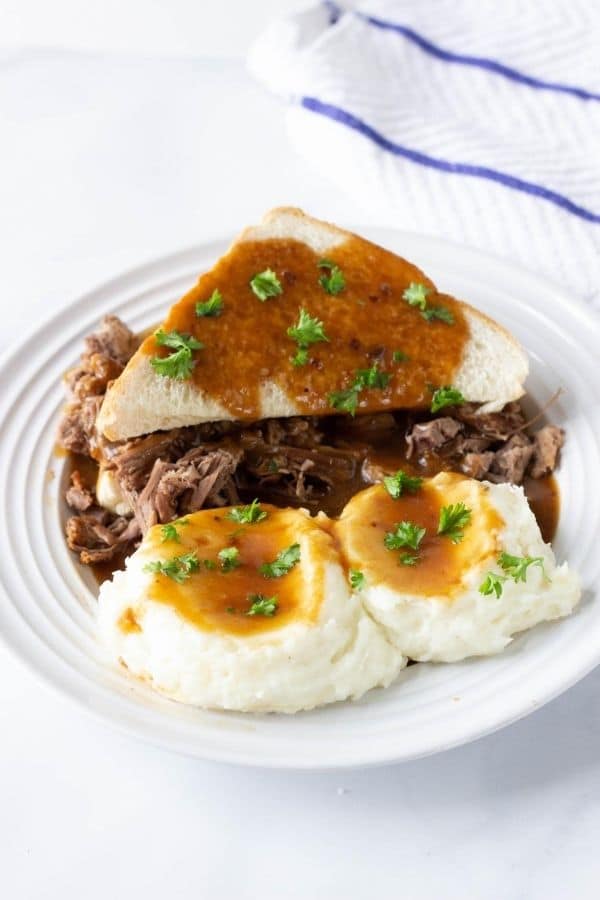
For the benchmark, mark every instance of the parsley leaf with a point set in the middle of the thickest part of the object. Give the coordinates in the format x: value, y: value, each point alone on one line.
x: 169, y: 533
x: 301, y: 357
x: 445, y: 396
x: 211, y: 307
x: 516, y: 566
x: 399, y: 356
x: 406, y: 534
x: 262, y: 606
x: 178, y: 568
x: 371, y: 378
x: 396, y: 484
x: 307, y: 330
x: 345, y: 401
x: 177, y: 341
x: 408, y: 559
x: 247, y: 515
x: 438, y: 312
x: 209, y: 564
x: 229, y: 558
x: 492, y: 584
x: 283, y: 562
x: 334, y: 282
x: 416, y: 294
x: 266, y: 284
x: 453, y: 519
x: 357, y: 580
x: 179, y: 364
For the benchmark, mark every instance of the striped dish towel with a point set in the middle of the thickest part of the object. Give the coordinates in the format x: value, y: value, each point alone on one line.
x: 469, y: 119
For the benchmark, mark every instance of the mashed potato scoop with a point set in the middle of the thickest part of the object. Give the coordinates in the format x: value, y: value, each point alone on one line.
x: 451, y: 567
x: 246, y: 608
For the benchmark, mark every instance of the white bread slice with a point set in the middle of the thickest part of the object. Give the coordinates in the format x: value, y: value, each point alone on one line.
x: 492, y: 372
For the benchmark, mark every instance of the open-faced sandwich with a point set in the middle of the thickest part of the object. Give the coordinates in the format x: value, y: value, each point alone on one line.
x: 316, y: 469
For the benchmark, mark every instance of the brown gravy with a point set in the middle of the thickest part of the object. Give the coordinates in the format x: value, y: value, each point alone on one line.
x: 248, y: 343
x: 212, y: 599
x: 440, y: 564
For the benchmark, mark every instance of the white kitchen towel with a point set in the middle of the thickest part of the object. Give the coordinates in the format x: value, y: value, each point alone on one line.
x: 474, y: 120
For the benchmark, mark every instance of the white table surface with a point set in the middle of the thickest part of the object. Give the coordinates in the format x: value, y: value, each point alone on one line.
x: 107, y: 160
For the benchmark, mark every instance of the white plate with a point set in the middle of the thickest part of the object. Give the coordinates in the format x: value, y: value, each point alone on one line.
x: 47, y: 612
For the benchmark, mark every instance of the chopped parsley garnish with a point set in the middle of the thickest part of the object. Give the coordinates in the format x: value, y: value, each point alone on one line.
x: 453, y: 520
x: 333, y: 282
x: 357, y: 580
x: 371, y: 378
x: 438, y: 312
x: 307, y: 330
x: 262, y: 606
x: 229, y: 558
x: 176, y: 340
x: 178, y: 568
x: 416, y: 294
x: 211, y: 307
x: 408, y: 559
x: 405, y: 534
x: 169, y: 531
x: 247, y: 515
x: 179, y: 364
x: 516, y: 566
x: 347, y: 400
x: 266, y: 284
x: 209, y: 564
x: 283, y: 562
x: 399, y: 356
x: 445, y: 396
x: 396, y: 484
x: 300, y: 357
x: 492, y: 584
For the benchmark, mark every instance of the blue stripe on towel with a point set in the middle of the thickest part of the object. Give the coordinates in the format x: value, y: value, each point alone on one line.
x: 481, y: 62
x: 528, y: 187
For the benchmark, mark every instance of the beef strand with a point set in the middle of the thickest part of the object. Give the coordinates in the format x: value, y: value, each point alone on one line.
x: 546, y: 447
x: 201, y: 477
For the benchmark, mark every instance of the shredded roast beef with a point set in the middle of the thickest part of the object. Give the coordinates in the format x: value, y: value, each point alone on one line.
x: 105, y: 354
x: 78, y: 495
x: 285, y: 473
x: 546, y: 447
x: 112, y: 340
x: 98, y: 536
x: 511, y: 461
x: 300, y: 461
x: 494, y: 446
x: 202, y: 477
x: 477, y: 465
x: 427, y: 437
x: 498, y: 426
